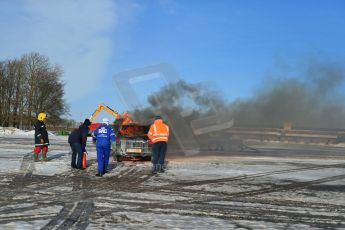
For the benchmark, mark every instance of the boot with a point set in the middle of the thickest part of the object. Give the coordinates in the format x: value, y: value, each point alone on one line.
x: 99, y: 174
x: 44, y: 156
x: 36, y: 157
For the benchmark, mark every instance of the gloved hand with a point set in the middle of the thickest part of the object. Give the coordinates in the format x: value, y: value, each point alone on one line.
x: 113, y: 145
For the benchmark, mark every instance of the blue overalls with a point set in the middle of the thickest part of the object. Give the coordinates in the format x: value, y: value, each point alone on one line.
x: 104, y: 134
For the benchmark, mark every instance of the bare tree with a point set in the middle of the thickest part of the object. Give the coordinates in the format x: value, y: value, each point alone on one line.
x: 28, y: 86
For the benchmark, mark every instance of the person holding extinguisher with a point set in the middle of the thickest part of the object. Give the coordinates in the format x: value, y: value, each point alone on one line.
x: 77, y: 140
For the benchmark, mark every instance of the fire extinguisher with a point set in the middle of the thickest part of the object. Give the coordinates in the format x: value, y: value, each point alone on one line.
x: 83, y: 165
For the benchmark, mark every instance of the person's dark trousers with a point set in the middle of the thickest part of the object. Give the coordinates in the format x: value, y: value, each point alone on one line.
x: 77, y: 155
x: 159, y: 150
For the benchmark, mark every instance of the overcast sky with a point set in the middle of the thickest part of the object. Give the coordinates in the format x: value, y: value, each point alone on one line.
x: 233, y: 43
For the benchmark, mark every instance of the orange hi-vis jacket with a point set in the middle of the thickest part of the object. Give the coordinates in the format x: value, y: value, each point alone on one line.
x: 158, y: 131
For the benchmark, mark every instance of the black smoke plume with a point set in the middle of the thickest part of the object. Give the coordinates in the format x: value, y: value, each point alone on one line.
x: 311, y: 99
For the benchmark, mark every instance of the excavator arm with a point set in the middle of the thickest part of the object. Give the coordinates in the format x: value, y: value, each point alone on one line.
x: 107, y: 109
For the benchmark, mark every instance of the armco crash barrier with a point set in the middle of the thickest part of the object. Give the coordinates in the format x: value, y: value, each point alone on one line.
x: 297, y: 136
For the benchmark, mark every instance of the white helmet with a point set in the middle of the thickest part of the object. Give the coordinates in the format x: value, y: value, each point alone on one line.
x: 105, y: 121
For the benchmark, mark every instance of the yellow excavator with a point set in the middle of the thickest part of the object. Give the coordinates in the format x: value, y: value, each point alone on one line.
x: 107, y: 109
x: 123, y: 118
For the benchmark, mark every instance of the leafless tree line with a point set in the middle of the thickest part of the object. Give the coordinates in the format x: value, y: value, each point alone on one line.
x: 28, y: 86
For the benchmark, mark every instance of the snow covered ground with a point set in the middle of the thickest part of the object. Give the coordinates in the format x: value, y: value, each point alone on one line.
x: 279, y: 187
x: 11, y: 131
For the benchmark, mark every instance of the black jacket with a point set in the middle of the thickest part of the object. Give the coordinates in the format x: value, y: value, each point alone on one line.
x: 79, y: 135
x: 41, y: 133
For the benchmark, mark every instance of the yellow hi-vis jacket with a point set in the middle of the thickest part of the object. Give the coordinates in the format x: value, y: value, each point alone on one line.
x: 158, y: 131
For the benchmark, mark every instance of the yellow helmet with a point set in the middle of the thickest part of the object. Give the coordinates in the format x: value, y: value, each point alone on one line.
x: 41, y: 116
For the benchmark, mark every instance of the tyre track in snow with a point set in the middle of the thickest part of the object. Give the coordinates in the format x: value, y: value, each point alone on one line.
x: 126, y: 178
x: 252, y: 176
x: 249, y: 213
x: 276, y: 188
x: 183, y: 186
x: 84, y: 187
x: 216, y: 196
x: 131, y: 179
x: 27, y: 166
x: 232, y: 213
x: 72, y: 215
